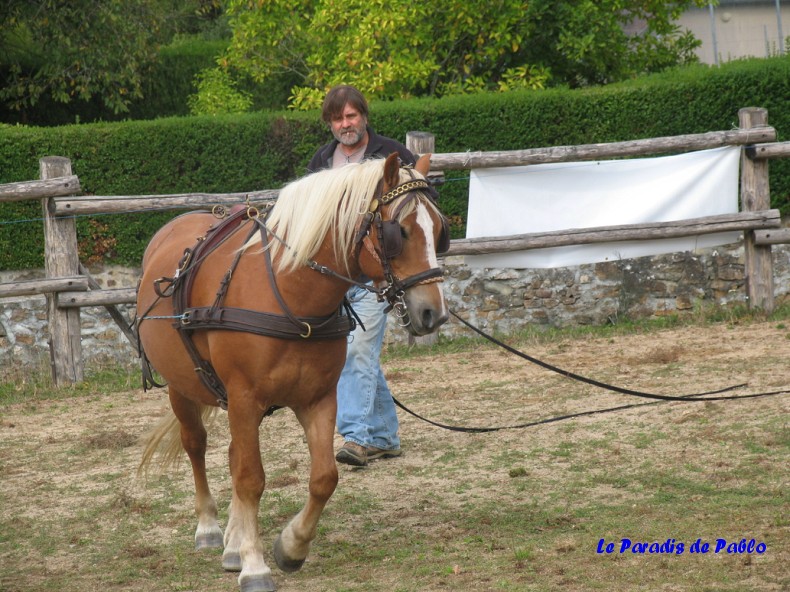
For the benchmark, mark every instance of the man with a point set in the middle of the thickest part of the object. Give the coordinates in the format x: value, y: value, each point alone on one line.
x: 366, y: 416
x: 345, y: 111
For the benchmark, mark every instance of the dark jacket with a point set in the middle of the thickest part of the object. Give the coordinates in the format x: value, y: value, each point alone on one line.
x: 378, y: 147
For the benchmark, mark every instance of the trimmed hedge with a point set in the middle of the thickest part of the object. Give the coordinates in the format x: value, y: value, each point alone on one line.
x: 174, y: 155
x: 265, y: 150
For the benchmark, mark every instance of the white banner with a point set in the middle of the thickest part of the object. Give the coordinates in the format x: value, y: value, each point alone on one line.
x: 549, y: 197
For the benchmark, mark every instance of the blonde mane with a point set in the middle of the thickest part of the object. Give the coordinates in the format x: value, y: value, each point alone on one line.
x: 308, y: 208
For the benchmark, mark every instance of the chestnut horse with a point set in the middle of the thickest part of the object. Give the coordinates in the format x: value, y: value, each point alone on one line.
x: 252, y: 327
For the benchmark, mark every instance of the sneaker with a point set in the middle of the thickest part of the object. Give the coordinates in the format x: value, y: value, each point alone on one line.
x: 358, y: 456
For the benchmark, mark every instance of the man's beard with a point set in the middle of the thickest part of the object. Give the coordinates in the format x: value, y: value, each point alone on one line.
x: 350, y: 137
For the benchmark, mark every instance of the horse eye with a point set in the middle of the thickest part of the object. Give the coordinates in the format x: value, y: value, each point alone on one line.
x: 403, y: 233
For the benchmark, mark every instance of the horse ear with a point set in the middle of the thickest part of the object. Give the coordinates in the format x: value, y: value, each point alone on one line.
x: 424, y: 164
x: 391, y: 171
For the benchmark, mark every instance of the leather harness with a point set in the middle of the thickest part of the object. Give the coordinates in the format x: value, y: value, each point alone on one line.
x: 338, y: 325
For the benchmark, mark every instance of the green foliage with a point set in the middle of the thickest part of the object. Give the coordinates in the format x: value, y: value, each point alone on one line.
x: 386, y: 49
x: 195, y: 32
x: 265, y: 150
x: 77, y: 50
x: 166, y: 86
x: 171, y: 80
x: 585, y: 43
x: 404, y: 49
x: 83, y: 62
x: 218, y: 93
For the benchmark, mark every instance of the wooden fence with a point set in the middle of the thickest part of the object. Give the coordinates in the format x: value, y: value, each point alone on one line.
x: 68, y: 285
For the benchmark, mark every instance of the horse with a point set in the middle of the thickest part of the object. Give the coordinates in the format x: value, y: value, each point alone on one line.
x: 248, y: 314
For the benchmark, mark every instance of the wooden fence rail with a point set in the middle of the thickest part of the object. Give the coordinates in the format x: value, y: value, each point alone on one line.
x: 115, y: 204
x: 650, y: 146
x: 26, y: 190
x: 626, y: 232
x: 69, y: 287
x: 43, y: 286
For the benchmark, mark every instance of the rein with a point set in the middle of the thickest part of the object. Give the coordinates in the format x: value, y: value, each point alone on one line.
x: 657, y: 398
x: 389, y: 246
x: 190, y: 319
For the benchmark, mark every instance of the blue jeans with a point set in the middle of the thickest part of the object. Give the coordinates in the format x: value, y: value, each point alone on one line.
x: 365, y: 409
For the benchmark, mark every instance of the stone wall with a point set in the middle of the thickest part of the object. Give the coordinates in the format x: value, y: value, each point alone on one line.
x: 600, y: 293
x: 23, y: 322
x: 501, y: 300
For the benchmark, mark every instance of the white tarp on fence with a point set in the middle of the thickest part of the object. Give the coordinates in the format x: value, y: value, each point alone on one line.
x: 548, y: 197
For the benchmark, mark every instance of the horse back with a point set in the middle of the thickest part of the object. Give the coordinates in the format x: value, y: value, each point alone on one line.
x: 287, y: 369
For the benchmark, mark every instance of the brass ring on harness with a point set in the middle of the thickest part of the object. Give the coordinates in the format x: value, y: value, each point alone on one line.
x: 219, y: 211
x: 252, y: 212
x: 309, y: 331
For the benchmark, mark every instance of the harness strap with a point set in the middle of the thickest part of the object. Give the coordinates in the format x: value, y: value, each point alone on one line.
x: 302, y: 324
x: 182, y: 290
x: 190, y: 319
x: 336, y: 326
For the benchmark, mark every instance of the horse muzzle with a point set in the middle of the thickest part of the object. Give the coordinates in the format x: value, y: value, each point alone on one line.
x: 425, y: 309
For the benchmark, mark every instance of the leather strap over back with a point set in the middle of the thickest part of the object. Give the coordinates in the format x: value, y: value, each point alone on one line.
x: 190, y: 319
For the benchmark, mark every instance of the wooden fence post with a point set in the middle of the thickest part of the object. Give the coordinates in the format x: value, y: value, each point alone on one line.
x: 421, y: 143
x: 61, y: 259
x: 755, y: 195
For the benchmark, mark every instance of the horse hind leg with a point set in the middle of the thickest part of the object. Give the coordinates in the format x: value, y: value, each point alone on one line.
x: 293, y: 544
x: 193, y: 437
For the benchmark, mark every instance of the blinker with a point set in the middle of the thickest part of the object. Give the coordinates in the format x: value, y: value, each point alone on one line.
x: 392, y: 238
x: 443, y: 244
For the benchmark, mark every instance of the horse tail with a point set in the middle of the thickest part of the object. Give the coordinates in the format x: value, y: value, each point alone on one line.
x: 165, y: 438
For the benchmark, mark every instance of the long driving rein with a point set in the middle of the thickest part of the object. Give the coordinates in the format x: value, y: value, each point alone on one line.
x: 656, y: 398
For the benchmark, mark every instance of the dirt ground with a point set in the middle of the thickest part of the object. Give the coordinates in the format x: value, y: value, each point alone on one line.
x: 59, y: 459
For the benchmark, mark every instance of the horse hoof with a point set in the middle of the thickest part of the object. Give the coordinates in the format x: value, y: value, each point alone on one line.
x: 284, y: 563
x: 231, y: 561
x: 258, y: 584
x: 209, y: 540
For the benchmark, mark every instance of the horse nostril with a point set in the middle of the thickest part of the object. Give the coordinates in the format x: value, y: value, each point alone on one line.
x: 431, y: 320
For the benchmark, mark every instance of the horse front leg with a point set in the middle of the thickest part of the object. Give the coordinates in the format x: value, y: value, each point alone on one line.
x: 243, y: 547
x: 293, y: 544
x: 208, y: 534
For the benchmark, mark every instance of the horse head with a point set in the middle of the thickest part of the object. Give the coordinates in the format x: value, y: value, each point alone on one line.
x: 406, y: 231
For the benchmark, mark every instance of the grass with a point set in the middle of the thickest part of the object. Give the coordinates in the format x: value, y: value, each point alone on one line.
x: 560, y: 336
x: 517, y: 511
x: 24, y: 385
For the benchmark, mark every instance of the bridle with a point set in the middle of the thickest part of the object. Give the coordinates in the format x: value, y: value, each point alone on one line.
x: 390, y: 241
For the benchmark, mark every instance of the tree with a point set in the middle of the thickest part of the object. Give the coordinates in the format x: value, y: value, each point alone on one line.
x: 84, y: 49
x: 387, y: 48
x: 586, y: 42
x: 398, y: 48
